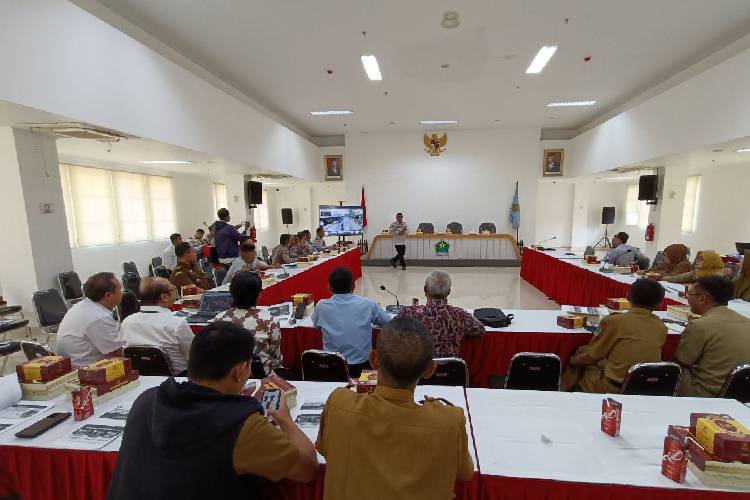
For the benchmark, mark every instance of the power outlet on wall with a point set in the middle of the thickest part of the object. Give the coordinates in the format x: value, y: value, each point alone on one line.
x: 47, y: 208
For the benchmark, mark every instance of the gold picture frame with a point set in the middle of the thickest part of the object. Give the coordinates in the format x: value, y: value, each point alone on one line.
x: 333, y: 167
x: 552, y: 162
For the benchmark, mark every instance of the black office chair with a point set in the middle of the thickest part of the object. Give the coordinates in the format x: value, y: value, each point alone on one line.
x: 70, y: 286
x: 131, y: 282
x: 156, y: 262
x: 324, y: 366
x: 161, y: 272
x: 426, y: 228
x: 642, y: 261
x: 737, y: 385
x: 50, y: 309
x: 487, y: 226
x: 256, y: 368
x: 589, y: 251
x: 129, y: 305
x: 206, y: 266
x: 534, y: 371
x: 449, y: 371
x: 264, y: 253
x: 34, y: 350
x: 219, y: 273
x: 455, y: 228
x: 7, y: 348
x: 130, y: 267
x: 652, y: 379
x: 150, y: 360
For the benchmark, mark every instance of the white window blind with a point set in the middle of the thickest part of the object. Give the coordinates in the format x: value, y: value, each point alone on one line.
x: 161, y: 206
x: 631, y: 206
x: 220, y: 197
x: 690, y: 205
x: 261, y: 214
x: 132, y: 206
x: 92, y: 206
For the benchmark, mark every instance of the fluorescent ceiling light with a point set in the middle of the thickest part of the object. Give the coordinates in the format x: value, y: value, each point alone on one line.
x: 371, y: 67
x: 165, y: 162
x: 331, y: 112
x: 744, y: 150
x: 438, y: 122
x: 541, y: 59
x: 566, y: 104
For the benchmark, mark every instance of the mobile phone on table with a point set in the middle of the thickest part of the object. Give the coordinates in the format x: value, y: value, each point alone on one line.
x: 42, y: 426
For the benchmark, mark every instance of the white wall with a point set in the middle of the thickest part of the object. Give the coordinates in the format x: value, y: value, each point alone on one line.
x: 471, y: 182
x: 554, y: 209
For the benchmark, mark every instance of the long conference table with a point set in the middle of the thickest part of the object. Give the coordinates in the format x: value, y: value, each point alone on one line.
x: 524, y: 444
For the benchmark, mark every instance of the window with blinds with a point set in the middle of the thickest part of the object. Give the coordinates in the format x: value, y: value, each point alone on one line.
x: 220, y: 197
x: 104, y: 207
x: 690, y: 205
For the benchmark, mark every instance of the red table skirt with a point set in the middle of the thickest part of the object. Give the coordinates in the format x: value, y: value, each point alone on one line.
x: 568, y: 284
x: 485, y: 356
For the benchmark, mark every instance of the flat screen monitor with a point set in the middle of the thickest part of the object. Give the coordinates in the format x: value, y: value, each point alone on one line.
x: 341, y: 221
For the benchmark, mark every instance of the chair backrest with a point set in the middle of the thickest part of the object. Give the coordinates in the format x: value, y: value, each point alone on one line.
x: 50, y: 307
x: 589, y: 251
x: 426, y: 227
x: 264, y: 253
x: 642, y: 261
x: 324, y: 366
x: 130, y: 267
x: 150, y: 360
x: 161, y: 272
x: 206, y: 266
x: 487, y: 226
x: 456, y: 228
x: 737, y: 385
x: 131, y: 281
x: 70, y: 285
x: 34, y: 350
x: 658, y: 258
x: 652, y: 379
x: 536, y: 371
x: 156, y: 261
x: 219, y: 273
x: 128, y: 306
x: 8, y: 347
x: 449, y: 371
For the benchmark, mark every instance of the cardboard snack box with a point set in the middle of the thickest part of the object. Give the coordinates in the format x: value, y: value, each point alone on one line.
x: 43, y: 369
x: 571, y: 321
x: 299, y: 298
x: 367, y: 381
x: 611, y: 417
x: 275, y: 382
x: 104, y: 371
x: 618, y: 304
x: 674, y: 460
x: 724, y: 437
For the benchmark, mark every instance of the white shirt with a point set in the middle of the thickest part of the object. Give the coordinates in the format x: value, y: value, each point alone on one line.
x: 157, y: 326
x: 87, y: 333
x: 169, y: 258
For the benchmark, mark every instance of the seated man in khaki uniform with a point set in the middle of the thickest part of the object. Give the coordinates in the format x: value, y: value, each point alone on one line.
x: 714, y: 344
x: 384, y: 445
x: 624, y: 340
x: 188, y: 272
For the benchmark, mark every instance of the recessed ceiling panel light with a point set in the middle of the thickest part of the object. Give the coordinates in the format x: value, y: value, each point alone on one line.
x: 566, y: 104
x: 438, y: 122
x: 332, y: 112
x: 744, y: 150
x: 541, y: 59
x: 371, y: 67
x: 165, y: 162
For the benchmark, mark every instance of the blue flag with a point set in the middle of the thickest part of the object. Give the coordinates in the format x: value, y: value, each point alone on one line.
x: 515, y: 211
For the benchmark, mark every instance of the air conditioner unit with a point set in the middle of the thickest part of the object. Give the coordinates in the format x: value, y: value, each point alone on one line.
x: 75, y: 130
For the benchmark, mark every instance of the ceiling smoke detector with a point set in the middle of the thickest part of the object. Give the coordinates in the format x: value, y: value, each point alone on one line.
x: 450, y: 20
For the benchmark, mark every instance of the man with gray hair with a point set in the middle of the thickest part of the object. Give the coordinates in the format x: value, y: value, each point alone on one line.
x: 448, y: 324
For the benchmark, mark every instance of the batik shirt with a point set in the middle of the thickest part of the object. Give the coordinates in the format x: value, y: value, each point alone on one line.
x: 395, y: 230
x: 267, y: 333
x: 448, y: 324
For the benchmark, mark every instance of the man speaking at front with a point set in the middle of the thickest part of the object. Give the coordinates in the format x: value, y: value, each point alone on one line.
x: 398, y: 231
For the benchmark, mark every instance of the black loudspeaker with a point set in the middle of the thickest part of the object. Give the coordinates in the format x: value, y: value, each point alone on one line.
x: 286, y: 216
x: 647, y: 186
x: 254, y: 191
x: 608, y: 215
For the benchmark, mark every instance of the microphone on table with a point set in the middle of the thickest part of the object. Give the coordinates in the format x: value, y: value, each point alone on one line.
x: 545, y: 241
x: 392, y: 309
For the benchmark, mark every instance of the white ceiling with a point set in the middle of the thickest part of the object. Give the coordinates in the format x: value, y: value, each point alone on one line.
x: 277, y: 53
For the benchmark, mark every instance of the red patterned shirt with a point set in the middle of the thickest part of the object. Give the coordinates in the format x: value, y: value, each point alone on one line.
x: 267, y: 333
x: 448, y: 324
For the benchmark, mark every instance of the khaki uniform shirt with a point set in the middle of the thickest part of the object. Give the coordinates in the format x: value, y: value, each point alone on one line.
x: 626, y: 339
x: 713, y: 346
x: 281, y: 255
x: 184, y: 276
x: 263, y: 450
x: 384, y: 446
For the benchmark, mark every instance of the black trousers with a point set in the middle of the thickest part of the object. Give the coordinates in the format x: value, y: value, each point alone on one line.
x: 400, y: 251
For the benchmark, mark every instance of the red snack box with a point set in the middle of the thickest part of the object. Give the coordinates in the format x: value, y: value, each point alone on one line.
x: 102, y: 389
x: 276, y: 382
x: 680, y: 433
x: 611, y: 416
x: 591, y: 259
x: 43, y: 369
x: 104, y: 371
x: 724, y: 437
x: 83, y: 403
x: 367, y: 381
x: 618, y: 304
x: 571, y: 321
x: 674, y: 460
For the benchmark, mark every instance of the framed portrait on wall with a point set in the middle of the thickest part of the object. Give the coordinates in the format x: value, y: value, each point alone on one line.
x: 552, y: 162
x: 334, y: 167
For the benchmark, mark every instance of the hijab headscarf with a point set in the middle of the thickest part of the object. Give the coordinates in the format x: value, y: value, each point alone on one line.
x: 678, y: 261
x: 742, y: 284
x: 712, y: 264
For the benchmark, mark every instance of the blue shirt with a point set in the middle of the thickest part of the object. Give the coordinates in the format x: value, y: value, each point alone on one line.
x: 622, y: 255
x: 346, y: 321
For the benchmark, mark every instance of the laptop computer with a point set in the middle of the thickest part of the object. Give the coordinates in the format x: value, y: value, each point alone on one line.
x: 212, y: 303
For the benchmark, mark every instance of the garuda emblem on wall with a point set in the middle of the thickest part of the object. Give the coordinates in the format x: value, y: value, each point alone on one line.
x: 435, y: 146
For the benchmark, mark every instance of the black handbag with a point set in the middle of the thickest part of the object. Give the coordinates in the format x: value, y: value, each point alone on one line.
x: 494, y: 318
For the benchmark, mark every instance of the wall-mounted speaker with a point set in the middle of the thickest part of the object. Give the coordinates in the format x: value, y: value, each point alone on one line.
x: 286, y: 216
x: 647, y: 187
x: 254, y: 193
x: 608, y: 215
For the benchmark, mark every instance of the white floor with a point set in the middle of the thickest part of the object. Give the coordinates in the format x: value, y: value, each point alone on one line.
x: 473, y: 287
